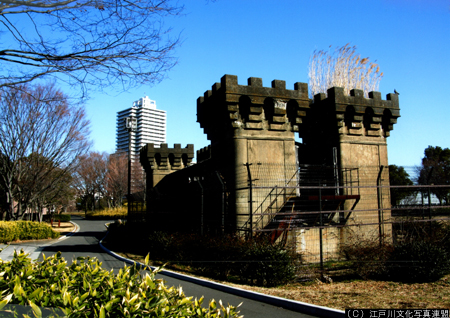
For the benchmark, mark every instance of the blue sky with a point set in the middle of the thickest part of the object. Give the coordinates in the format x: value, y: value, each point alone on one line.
x: 409, y: 39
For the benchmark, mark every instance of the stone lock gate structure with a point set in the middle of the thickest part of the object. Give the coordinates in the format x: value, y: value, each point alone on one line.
x: 256, y: 179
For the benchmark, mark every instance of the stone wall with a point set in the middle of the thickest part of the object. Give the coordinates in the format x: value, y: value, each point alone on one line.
x: 357, y: 128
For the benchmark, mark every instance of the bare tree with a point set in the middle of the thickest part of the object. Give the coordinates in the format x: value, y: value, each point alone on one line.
x: 116, y: 177
x: 90, y: 43
x: 342, y: 68
x: 44, y: 186
x: 41, y: 135
x: 90, y: 177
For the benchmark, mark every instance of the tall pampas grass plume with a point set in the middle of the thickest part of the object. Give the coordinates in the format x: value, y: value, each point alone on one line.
x: 342, y: 67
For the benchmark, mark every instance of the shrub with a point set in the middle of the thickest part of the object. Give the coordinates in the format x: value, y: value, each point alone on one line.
x: 444, y: 234
x: 25, y: 230
x: 8, y: 232
x: 432, y: 231
x: 421, y: 256
x: 367, y: 257
x: 108, y: 214
x: 84, y: 289
x: 267, y: 264
x: 57, y: 217
x: 419, y: 261
x: 223, y: 257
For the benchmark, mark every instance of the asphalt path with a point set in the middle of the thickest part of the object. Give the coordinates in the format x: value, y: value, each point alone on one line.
x: 85, y: 242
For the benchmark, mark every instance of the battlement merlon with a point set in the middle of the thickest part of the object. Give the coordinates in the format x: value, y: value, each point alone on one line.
x: 221, y: 107
x: 163, y: 157
x: 336, y: 96
x: 230, y: 88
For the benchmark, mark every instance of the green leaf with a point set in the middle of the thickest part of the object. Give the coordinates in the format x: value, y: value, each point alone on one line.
x: 185, y: 300
x: 36, y: 310
x: 110, y: 303
x: 35, y: 294
x: 134, y: 298
x: 5, y: 301
x: 18, y: 290
x: 84, y: 296
x: 66, y: 298
x: 75, y: 301
x: 102, y: 312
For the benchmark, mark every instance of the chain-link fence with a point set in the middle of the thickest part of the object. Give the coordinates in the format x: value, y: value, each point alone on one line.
x: 137, y: 207
x: 318, y: 210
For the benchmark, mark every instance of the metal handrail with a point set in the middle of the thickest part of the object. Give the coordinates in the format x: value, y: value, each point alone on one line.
x: 270, y: 205
x: 347, y: 178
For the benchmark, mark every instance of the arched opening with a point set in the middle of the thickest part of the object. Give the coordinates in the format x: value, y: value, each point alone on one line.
x: 349, y: 117
x: 244, y: 107
x: 158, y: 159
x: 368, y: 119
x: 291, y: 112
x: 184, y: 159
x: 386, y: 122
x: 269, y: 105
x: 171, y: 159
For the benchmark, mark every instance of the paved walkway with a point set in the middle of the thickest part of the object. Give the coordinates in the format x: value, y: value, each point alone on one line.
x: 34, y: 248
x: 7, y: 252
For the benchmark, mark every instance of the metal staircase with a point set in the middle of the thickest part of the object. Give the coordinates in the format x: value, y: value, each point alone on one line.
x: 315, y: 202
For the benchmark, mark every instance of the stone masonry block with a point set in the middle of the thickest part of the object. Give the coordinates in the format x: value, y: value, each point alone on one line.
x: 279, y: 84
x: 255, y: 81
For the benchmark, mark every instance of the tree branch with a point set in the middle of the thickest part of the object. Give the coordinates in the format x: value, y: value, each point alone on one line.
x: 89, y: 43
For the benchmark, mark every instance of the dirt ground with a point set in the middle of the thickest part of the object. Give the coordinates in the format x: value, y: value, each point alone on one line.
x: 63, y: 228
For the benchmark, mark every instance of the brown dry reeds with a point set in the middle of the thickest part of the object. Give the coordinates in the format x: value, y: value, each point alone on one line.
x: 344, y: 68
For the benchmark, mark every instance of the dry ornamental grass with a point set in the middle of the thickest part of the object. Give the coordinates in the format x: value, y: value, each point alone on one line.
x: 342, y: 68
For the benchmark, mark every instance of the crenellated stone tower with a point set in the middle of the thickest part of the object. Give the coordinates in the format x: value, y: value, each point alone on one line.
x: 161, y: 161
x: 351, y: 132
x: 248, y: 125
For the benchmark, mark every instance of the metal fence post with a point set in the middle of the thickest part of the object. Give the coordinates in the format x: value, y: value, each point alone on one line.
x: 222, y: 206
x: 201, y: 206
x: 380, y: 206
x: 429, y: 208
x: 250, y: 185
x: 320, y: 229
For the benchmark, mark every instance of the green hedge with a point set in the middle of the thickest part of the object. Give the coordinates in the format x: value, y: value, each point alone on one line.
x: 57, y: 217
x: 85, y: 289
x: 25, y: 230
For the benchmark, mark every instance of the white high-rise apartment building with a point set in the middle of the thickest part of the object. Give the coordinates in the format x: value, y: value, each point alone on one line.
x: 150, y: 126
